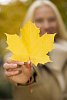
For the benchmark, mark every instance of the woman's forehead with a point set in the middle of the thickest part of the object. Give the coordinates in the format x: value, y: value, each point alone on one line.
x: 44, y: 10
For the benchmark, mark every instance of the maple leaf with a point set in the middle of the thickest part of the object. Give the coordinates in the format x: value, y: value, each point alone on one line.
x: 30, y: 45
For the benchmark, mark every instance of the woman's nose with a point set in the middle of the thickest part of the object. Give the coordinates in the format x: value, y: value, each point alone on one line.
x: 45, y: 25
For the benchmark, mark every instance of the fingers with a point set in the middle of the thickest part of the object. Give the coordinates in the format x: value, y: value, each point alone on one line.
x: 8, y: 69
x: 13, y: 67
x: 9, y: 66
x: 11, y: 73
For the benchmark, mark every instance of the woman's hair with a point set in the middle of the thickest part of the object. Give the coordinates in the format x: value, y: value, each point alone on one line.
x: 61, y: 27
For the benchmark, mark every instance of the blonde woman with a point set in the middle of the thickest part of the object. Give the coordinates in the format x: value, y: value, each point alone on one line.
x: 52, y: 82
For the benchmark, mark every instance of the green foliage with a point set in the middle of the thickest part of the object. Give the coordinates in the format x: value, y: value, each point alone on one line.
x: 62, y: 7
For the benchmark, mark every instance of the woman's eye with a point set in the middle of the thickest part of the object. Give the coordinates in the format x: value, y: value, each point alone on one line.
x: 39, y: 20
x: 51, y: 19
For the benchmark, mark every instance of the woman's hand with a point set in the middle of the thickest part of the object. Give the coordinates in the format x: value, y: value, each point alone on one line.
x: 18, y: 72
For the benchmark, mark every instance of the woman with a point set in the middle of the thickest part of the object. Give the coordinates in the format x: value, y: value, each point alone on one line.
x: 52, y: 81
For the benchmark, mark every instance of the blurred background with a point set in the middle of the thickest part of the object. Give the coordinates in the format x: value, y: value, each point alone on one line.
x: 12, y: 13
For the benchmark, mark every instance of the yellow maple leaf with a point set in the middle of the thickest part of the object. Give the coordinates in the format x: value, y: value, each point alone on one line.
x: 30, y: 46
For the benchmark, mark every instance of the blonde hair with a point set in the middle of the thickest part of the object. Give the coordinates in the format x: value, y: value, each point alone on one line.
x: 36, y: 4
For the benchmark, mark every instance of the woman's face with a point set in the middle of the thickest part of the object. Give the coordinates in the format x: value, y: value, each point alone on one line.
x: 45, y: 19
